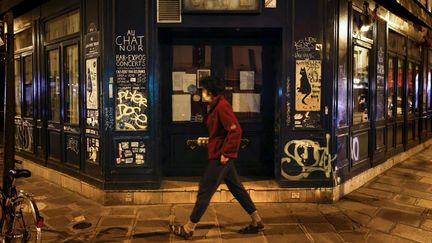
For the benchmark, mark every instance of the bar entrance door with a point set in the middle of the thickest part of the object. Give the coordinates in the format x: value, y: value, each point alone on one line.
x: 247, y: 64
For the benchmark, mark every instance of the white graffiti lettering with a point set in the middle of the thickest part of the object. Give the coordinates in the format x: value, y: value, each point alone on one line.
x: 322, y: 159
x: 72, y: 144
x: 355, y: 149
x: 307, y: 44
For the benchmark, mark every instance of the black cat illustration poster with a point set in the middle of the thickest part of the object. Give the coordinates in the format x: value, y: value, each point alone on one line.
x: 308, y: 85
x: 91, y: 83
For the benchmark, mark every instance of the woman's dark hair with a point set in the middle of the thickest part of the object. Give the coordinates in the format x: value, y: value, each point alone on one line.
x: 214, y: 85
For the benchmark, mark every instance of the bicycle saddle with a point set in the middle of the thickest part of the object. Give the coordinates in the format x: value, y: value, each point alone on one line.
x: 19, y: 173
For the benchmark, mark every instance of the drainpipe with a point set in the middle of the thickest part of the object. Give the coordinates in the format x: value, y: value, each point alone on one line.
x: 9, y: 107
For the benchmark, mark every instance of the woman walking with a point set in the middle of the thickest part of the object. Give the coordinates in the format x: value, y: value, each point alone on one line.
x: 223, y: 144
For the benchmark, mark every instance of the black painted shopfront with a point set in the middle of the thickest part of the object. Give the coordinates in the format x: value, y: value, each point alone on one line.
x: 108, y: 91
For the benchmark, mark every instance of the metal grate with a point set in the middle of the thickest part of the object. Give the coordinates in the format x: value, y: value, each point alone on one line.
x: 169, y: 11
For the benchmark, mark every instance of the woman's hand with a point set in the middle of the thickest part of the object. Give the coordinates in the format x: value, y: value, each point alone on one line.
x: 224, y: 159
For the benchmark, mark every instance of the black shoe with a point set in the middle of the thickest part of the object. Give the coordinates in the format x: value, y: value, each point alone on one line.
x: 179, y: 230
x: 251, y: 229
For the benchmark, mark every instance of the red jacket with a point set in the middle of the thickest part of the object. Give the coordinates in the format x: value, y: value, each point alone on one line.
x: 224, y: 130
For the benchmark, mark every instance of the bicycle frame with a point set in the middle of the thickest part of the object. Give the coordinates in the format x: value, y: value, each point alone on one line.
x: 9, y: 204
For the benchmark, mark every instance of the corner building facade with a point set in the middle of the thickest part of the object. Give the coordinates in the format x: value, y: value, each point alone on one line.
x: 108, y: 92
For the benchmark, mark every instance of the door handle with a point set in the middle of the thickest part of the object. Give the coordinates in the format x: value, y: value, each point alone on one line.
x: 193, y: 143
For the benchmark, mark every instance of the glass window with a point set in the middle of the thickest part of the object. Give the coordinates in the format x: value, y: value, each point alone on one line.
x: 62, y: 26
x: 416, y: 88
x: 244, y: 81
x: 72, y: 85
x: 23, y: 39
x: 425, y: 90
x: 428, y: 91
x: 342, y: 97
x: 399, y: 110
x: 361, y: 85
x: 18, y: 94
x: 396, y: 42
x: 390, y: 88
x: 28, y: 86
x: 190, y: 63
x: 362, y: 25
x: 54, y: 85
x: 410, y: 89
x: 413, y: 49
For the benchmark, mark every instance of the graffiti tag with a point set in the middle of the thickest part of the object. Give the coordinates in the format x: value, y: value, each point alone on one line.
x: 130, y: 110
x: 298, y: 154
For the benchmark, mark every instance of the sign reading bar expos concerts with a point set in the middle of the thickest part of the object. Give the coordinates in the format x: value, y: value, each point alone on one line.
x: 222, y: 6
x: 131, y: 80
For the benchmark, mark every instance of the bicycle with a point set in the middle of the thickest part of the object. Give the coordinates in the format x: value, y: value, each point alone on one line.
x: 20, y: 220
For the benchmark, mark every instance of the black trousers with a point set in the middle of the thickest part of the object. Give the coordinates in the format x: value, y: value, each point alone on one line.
x: 213, y: 177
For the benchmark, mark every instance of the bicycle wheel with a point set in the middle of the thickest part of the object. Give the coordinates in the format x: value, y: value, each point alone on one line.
x: 24, y: 225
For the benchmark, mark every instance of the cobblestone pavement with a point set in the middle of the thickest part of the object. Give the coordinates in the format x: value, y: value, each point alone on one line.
x: 394, y: 207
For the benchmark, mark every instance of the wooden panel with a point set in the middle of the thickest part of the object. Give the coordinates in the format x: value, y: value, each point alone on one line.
x: 390, y: 137
x: 72, y: 149
x: 54, y: 150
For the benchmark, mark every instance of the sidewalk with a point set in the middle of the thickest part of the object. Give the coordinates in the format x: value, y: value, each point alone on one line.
x: 394, y: 207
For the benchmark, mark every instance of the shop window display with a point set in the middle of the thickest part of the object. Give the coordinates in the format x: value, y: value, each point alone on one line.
x: 72, y: 85
x: 360, y: 85
x: 54, y: 85
x: 17, y: 75
x: 399, y: 109
x: 390, y: 88
x: 28, y: 86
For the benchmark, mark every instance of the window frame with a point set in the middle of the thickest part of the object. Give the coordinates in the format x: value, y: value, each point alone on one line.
x: 17, y: 58
x: 394, y: 58
x: 63, y: 58
x: 23, y: 90
x: 61, y: 43
x: 65, y: 37
x: 369, y: 47
x: 48, y: 90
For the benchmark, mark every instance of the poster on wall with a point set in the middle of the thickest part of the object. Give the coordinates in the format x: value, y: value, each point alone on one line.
x: 131, y: 59
x: 130, y: 153
x: 131, y: 81
x: 131, y: 107
x: 92, y: 83
x: 308, y: 85
x: 307, y: 119
x: 92, y: 44
x: 92, y: 148
x: 92, y: 118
